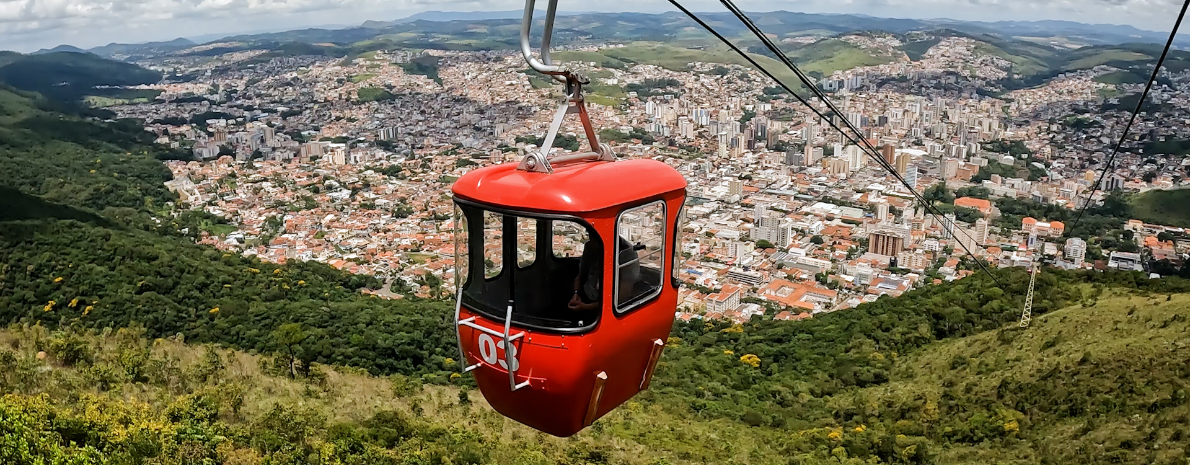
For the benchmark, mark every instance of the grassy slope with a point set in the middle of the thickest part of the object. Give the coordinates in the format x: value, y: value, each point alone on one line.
x: 447, y: 425
x: 1162, y: 207
x: 1105, y: 57
x: 1095, y: 384
x: 1121, y: 77
x: 1082, y: 385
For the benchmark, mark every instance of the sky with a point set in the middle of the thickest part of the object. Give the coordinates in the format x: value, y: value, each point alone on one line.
x: 28, y: 25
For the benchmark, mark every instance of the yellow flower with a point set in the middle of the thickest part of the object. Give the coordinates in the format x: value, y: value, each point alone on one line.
x: 253, y: 270
x: 50, y: 306
x: 728, y: 352
x: 73, y: 302
x: 301, y: 282
x: 92, y: 171
x: 733, y: 329
x: 277, y: 271
x: 58, y: 280
x: 215, y: 310
x: 87, y: 311
x: 449, y: 361
x: 836, y: 435
x: 751, y: 359
x: 455, y: 376
x: 1012, y: 427
x: 860, y: 428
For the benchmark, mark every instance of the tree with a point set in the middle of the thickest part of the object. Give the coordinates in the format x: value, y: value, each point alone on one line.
x: 938, y: 193
x: 978, y: 192
x: 289, y: 336
x: 817, y: 239
x: 1165, y: 236
x: 764, y: 244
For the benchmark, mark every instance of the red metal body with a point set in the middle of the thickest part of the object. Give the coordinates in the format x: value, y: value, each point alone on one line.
x: 574, y: 378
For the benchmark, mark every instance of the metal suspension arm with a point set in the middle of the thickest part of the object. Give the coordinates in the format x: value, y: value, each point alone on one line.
x: 545, y: 65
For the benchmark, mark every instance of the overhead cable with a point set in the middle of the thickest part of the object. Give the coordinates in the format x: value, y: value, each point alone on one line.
x: 805, y: 81
x: 1139, y: 103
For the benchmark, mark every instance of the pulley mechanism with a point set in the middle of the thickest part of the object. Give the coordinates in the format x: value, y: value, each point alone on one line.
x: 572, y: 100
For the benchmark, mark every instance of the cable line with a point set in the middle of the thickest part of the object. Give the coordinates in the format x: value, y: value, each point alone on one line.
x: 805, y: 81
x: 1148, y: 85
x: 875, y: 154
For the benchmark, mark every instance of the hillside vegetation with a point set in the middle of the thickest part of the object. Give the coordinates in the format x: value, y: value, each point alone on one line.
x: 99, y: 270
x: 1098, y: 382
x: 1162, y: 207
x: 88, y: 237
x: 70, y: 76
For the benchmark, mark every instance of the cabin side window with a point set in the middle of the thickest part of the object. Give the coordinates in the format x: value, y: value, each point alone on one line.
x: 462, y: 258
x: 640, y: 254
x: 677, y: 247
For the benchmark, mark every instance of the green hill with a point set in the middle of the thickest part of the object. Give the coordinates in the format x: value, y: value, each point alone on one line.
x: 89, y: 224
x: 1162, y: 207
x: 71, y: 76
x: 1096, y: 383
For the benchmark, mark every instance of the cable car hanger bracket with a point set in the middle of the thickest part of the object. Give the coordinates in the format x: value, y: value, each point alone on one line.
x: 539, y: 161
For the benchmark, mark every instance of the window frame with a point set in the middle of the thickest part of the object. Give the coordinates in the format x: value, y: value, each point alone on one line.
x: 679, y: 223
x: 638, y: 302
x: 499, y: 317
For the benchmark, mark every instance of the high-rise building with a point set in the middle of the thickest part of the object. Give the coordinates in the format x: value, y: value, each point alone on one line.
x: 890, y: 153
x: 885, y: 243
x: 950, y: 168
x: 981, y: 231
x: 911, y: 176
x: 1076, y: 250
x: 735, y: 187
x: 794, y: 158
x: 882, y: 211
x: 902, y: 163
x: 948, y: 226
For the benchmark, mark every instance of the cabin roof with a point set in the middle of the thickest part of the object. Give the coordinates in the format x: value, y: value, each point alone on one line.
x: 571, y: 188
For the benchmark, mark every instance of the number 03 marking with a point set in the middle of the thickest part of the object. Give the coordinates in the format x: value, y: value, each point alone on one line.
x: 488, y: 347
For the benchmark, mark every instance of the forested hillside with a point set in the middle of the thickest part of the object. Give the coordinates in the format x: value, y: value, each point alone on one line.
x: 1102, y: 381
x: 87, y: 239
x: 69, y: 76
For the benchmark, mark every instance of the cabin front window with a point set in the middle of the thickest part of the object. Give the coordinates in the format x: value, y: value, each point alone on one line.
x: 534, y: 259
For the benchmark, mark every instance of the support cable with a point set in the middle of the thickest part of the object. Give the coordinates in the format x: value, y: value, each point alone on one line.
x: 805, y: 81
x: 874, y: 153
x: 1148, y: 85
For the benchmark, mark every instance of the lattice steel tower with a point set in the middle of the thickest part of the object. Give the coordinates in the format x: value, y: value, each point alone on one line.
x: 1027, y: 313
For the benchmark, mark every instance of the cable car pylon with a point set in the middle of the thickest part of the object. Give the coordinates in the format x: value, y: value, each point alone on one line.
x: 1027, y: 313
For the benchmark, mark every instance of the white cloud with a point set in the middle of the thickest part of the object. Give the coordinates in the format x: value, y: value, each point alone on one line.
x: 30, y: 24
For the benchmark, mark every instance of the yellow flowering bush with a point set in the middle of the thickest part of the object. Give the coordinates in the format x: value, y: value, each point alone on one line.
x: 751, y: 359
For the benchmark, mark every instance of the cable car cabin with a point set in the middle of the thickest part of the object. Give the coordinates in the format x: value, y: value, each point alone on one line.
x: 567, y: 288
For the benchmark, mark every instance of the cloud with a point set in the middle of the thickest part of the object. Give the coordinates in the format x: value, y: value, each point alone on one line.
x: 26, y: 24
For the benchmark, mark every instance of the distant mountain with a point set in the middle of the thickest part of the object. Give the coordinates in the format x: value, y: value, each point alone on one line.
x: 473, y: 15
x: 499, y: 30
x: 69, y: 76
x: 149, y: 48
x: 60, y: 48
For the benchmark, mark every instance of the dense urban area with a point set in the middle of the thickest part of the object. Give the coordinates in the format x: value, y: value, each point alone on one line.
x: 350, y: 162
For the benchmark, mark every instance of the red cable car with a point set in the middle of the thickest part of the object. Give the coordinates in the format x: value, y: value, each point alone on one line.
x: 565, y: 268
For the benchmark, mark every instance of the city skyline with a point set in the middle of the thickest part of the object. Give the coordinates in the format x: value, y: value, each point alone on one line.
x: 28, y: 25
